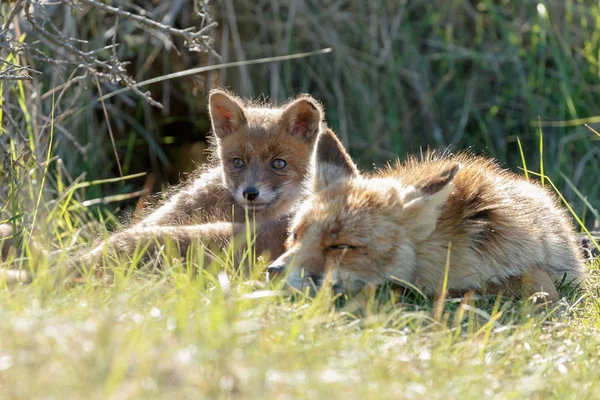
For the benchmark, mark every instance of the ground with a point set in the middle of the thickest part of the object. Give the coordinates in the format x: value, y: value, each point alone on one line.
x: 216, y: 335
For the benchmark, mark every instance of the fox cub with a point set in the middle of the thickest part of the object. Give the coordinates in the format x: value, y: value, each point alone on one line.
x: 262, y: 154
x: 498, y: 229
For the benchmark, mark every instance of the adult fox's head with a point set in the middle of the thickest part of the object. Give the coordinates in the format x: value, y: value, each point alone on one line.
x: 355, y: 230
x: 265, y: 152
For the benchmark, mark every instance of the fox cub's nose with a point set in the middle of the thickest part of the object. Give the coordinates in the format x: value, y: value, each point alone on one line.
x: 250, y: 193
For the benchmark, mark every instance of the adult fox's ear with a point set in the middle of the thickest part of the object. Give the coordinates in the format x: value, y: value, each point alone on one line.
x: 227, y: 113
x: 423, y: 201
x: 332, y: 163
x: 302, y: 118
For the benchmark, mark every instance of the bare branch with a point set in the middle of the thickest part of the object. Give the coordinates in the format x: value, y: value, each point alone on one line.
x: 197, y: 41
x: 4, y: 77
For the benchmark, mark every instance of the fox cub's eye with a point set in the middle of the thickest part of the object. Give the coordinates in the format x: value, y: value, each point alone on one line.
x: 278, y: 163
x: 341, y: 247
x: 293, y: 236
x: 238, y: 163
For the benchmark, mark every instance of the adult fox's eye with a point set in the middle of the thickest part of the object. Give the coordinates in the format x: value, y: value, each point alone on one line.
x: 341, y: 247
x: 238, y: 163
x: 278, y: 163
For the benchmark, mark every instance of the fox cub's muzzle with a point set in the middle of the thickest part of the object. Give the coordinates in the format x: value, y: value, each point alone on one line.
x: 250, y: 193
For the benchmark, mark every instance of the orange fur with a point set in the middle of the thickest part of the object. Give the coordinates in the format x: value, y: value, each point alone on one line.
x: 257, y: 136
x: 213, y: 236
x: 399, y: 222
x: 202, y: 210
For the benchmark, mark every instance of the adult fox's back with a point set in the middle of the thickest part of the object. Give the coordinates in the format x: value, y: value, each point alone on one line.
x: 491, y: 214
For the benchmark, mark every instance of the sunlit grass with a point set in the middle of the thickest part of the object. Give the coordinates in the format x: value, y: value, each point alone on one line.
x: 188, y: 328
x: 212, y: 333
x: 401, y: 75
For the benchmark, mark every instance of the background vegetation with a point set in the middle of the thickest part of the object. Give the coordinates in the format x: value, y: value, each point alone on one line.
x: 402, y: 76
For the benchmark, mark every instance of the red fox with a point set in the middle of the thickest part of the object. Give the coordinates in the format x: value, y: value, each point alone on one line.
x: 263, y: 155
x: 403, y: 222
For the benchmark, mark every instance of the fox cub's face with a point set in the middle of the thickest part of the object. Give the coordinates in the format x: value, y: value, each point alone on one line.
x: 265, y: 152
x: 354, y: 231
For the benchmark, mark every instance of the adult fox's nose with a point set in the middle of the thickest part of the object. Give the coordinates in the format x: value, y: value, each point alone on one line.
x: 250, y: 193
x: 274, y: 270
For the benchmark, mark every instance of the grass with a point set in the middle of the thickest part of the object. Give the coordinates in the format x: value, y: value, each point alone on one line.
x: 501, y: 77
x: 407, y: 75
x: 219, y: 333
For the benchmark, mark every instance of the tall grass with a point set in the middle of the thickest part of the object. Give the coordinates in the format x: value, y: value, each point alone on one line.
x: 402, y: 75
x: 408, y: 75
x: 197, y: 330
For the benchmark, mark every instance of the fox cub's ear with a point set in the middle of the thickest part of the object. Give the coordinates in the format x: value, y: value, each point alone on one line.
x: 302, y: 118
x: 332, y: 163
x: 422, y: 202
x: 226, y: 113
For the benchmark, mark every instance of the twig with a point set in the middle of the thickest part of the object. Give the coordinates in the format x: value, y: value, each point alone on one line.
x: 195, y: 39
x: 110, y: 132
x: 199, y: 70
x: 117, y: 69
x: 12, y: 14
x: 15, y: 77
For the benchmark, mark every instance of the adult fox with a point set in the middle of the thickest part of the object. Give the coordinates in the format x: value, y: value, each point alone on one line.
x: 497, y: 228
